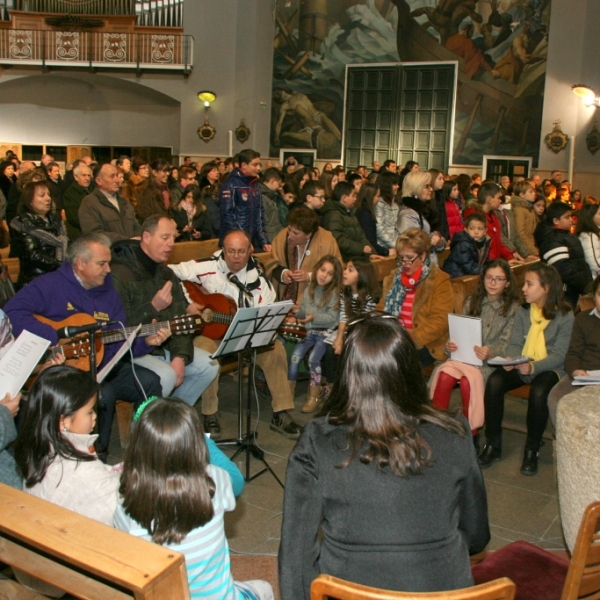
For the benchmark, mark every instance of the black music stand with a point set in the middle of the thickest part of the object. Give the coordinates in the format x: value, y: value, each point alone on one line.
x: 250, y: 329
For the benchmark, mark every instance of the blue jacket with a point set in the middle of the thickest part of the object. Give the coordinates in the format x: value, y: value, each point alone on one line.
x: 59, y: 295
x: 240, y: 203
x: 464, y: 258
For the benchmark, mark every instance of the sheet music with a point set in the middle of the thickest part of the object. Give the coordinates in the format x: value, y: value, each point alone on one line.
x: 592, y: 378
x: 101, y: 375
x: 466, y: 332
x: 19, y: 362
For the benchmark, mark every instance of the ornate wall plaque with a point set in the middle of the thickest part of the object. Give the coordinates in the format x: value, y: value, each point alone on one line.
x: 242, y: 133
x: 556, y: 140
x: 592, y: 139
x: 206, y: 132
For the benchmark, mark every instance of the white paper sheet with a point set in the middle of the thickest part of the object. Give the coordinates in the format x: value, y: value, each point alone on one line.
x: 19, y: 362
x: 592, y: 378
x: 107, y: 368
x: 466, y: 332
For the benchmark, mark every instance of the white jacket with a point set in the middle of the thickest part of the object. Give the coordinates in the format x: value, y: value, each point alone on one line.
x: 591, y: 248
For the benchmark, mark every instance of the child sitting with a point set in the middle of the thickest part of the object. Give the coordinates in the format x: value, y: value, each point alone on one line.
x: 559, y: 248
x: 469, y: 249
x: 55, y: 445
x: 320, y: 313
x: 172, y: 496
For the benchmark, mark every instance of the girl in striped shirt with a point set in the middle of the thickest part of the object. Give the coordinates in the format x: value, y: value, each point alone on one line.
x: 172, y: 496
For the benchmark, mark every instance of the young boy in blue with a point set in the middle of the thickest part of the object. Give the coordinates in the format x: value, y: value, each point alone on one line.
x: 469, y: 249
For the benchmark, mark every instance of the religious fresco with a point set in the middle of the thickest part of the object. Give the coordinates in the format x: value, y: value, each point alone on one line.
x: 501, y: 46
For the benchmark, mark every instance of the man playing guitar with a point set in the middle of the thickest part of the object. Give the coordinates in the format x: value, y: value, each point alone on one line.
x: 83, y: 284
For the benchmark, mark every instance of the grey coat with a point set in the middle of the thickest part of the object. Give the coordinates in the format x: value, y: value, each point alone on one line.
x: 326, y: 317
x: 8, y: 434
x: 367, y: 525
x: 557, y: 335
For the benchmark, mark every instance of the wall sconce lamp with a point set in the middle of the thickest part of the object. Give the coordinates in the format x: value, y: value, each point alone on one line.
x: 589, y: 96
x: 206, y: 132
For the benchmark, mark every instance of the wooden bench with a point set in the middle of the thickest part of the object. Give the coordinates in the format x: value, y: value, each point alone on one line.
x: 83, y: 557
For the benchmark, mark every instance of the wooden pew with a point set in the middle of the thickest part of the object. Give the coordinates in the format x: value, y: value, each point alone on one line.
x: 83, y: 557
x: 193, y: 250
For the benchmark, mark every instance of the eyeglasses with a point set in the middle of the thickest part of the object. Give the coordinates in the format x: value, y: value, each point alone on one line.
x: 242, y: 252
x: 405, y: 260
x: 490, y: 279
x: 428, y: 186
x: 319, y: 197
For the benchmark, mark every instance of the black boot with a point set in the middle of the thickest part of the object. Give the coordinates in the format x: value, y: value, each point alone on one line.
x: 489, y: 455
x: 530, y: 462
x: 476, y: 443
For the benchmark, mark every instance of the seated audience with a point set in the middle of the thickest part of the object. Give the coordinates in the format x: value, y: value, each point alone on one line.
x: 377, y: 431
x: 319, y: 312
x: 339, y: 217
x: 495, y: 302
x: 588, y: 230
x: 563, y: 250
x: 296, y: 250
x: 469, y: 249
x: 541, y: 332
x: 105, y: 211
x: 55, y: 446
x: 191, y: 215
x: 583, y: 354
x: 418, y: 293
x: 418, y: 210
x: 524, y: 196
x: 27, y: 172
x: 154, y: 198
x: 38, y: 236
x: 132, y: 188
x: 168, y: 445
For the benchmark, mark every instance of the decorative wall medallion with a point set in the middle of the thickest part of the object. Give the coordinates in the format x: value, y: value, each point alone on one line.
x: 67, y: 45
x: 592, y: 139
x: 115, y: 45
x: 19, y: 43
x: 206, y: 132
x: 242, y: 133
x: 162, y: 48
x: 556, y: 140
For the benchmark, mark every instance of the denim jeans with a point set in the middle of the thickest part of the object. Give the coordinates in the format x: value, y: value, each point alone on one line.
x: 314, y: 342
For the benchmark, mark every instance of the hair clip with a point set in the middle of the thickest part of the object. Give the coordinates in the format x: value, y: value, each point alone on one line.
x: 142, y: 407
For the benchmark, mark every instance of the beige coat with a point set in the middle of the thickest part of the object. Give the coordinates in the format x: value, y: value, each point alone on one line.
x: 525, y: 223
x: 321, y: 244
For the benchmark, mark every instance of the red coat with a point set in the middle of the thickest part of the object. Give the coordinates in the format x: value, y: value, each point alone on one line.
x: 455, y: 222
x: 494, y: 230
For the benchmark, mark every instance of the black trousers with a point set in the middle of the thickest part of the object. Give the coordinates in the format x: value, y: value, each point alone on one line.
x: 121, y: 385
x: 499, y: 383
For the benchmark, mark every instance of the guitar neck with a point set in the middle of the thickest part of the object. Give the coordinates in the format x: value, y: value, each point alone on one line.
x: 118, y: 335
x: 221, y: 318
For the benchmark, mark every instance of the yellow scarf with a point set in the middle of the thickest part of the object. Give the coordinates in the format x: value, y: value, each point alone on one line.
x: 535, y: 343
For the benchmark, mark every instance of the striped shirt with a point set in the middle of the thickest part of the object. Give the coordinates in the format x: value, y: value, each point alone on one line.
x: 405, y: 315
x: 205, y: 549
x: 354, y: 305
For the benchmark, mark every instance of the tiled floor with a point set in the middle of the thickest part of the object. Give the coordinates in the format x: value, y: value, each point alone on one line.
x: 520, y: 507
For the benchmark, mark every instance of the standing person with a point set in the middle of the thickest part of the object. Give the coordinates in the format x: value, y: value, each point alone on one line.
x: 319, y: 312
x: 187, y: 176
x: 328, y: 182
x: 191, y: 215
x: 495, y: 302
x: 418, y: 210
x: 234, y: 272
x: 168, y: 445
x: 451, y: 193
x: 437, y: 182
x: 377, y: 431
x: 155, y: 198
x: 541, y: 332
x: 563, y: 250
x: 588, y: 230
x: 73, y: 197
x: 419, y: 294
x: 140, y: 171
x: 240, y: 201
x: 38, y: 236
x: 386, y: 210
x: 524, y: 195
x: 149, y: 290
x: 105, y: 211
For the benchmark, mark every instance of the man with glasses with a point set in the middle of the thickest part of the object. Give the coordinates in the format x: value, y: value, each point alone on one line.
x: 187, y: 176
x: 235, y: 273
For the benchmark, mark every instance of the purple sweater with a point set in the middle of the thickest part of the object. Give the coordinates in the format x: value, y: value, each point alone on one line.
x: 59, y: 295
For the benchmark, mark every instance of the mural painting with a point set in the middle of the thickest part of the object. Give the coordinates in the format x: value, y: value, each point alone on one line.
x: 501, y: 47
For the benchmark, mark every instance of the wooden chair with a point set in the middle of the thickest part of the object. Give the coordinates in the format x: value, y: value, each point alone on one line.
x: 83, y: 557
x: 326, y: 586
x: 541, y: 574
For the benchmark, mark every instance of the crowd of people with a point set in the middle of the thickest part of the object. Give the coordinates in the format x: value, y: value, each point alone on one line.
x: 98, y: 242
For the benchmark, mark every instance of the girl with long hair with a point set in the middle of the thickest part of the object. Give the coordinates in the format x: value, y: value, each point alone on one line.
x: 541, y: 333
x: 495, y: 302
x: 55, y: 446
x: 328, y: 181
x: 319, y: 311
x: 381, y: 488
x: 173, y: 496
x: 368, y: 199
x: 451, y: 194
x: 192, y: 216
x: 387, y: 209
x: 588, y: 230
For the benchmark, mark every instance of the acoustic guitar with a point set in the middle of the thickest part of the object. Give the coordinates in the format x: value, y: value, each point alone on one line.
x: 77, y: 349
x: 222, y: 309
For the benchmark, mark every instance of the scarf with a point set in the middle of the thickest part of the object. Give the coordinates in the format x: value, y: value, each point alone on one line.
x: 395, y: 297
x: 535, y: 343
x: 58, y: 242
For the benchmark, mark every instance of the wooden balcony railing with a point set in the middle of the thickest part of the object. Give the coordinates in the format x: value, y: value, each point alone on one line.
x: 97, y: 50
